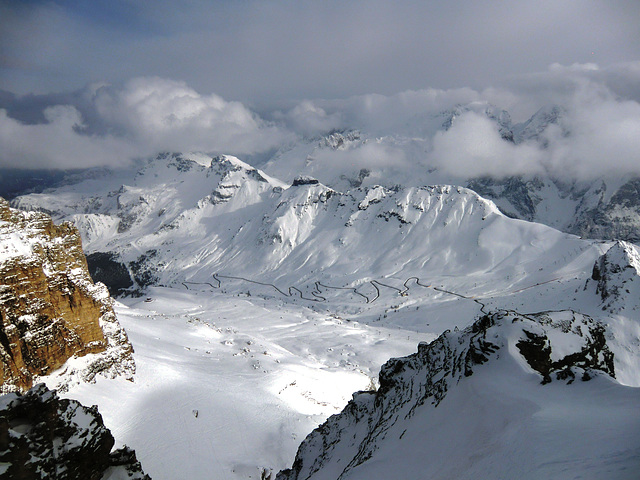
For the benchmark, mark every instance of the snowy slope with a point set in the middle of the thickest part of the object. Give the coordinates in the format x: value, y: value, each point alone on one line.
x: 482, y: 404
x: 227, y: 386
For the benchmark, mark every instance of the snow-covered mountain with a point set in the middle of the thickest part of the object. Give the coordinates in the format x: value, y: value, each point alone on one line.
x: 282, y: 289
x: 195, y: 221
x: 404, y: 153
x: 606, y: 208
x: 186, y: 218
x: 589, y: 204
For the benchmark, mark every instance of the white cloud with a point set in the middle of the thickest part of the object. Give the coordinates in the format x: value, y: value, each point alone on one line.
x: 473, y: 147
x: 309, y: 119
x: 411, y: 111
x: 57, y: 143
x: 603, y: 139
x: 167, y: 114
x: 147, y: 115
x: 371, y: 155
x: 109, y: 125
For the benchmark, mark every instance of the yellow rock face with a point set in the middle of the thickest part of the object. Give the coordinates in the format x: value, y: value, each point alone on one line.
x: 50, y: 309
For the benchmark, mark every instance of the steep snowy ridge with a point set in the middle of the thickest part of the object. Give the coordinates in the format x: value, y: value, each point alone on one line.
x: 164, y: 195
x: 398, y: 431
x: 377, y: 230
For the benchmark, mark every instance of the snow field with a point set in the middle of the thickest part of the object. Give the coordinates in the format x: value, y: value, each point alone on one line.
x: 259, y: 379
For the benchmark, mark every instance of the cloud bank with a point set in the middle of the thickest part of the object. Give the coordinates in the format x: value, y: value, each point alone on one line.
x: 140, y: 118
x: 598, y: 132
x: 458, y: 131
x: 473, y: 147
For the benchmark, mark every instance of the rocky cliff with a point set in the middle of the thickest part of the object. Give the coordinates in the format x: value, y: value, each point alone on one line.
x: 50, y: 309
x: 43, y: 436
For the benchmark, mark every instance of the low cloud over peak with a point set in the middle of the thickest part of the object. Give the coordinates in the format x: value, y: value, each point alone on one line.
x: 593, y: 128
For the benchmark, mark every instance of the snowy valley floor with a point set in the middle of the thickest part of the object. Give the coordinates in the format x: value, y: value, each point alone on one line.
x: 231, y: 379
x: 226, y: 385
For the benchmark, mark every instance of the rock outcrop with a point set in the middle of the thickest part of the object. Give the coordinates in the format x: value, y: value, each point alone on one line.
x: 617, y: 277
x: 50, y: 309
x: 43, y: 436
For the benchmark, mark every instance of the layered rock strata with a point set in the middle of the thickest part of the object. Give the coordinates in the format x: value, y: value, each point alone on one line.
x: 50, y: 309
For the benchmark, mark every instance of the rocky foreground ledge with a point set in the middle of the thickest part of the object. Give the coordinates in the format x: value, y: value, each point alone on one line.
x: 514, y: 395
x: 43, y: 436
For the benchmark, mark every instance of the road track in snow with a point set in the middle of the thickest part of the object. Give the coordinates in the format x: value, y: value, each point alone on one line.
x: 376, y: 284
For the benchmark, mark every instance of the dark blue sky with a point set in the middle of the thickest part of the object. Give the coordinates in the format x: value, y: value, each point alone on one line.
x: 265, y: 52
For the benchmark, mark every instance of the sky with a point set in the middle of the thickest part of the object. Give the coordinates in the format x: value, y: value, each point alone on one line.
x: 101, y: 82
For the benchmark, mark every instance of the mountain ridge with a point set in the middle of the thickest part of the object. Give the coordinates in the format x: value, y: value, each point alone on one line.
x: 413, y: 388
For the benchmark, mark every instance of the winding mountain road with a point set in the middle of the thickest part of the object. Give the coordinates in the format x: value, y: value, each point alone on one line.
x: 318, y: 286
x: 317, y: 291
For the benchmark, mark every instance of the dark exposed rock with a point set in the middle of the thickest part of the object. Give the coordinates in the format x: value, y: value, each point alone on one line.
x: 617, y: 217
x: 304, y: 180
x: 256, y: 175
x: 357, y: 181
x: 339, y: 139
x: 388, y: 215
x: 537, y: 351
x: 617, y: 275
x: 104, y: 267
x: 45, y: 437
x: 594, y: 355
x: 522, y: 194
x: 143, y: 269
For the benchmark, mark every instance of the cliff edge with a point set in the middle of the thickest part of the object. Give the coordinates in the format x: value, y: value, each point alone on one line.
x: 50, y: 309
